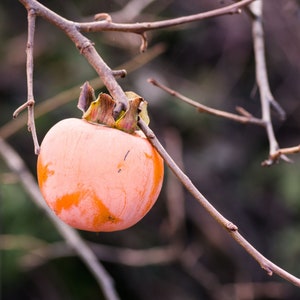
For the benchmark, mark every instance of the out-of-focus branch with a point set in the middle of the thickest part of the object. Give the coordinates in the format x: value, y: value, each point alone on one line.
x: 231, y: 228
x: 29, y: 104
x: 67, y: 96
x: 86, y: 48
x: 125, y: 256
x: 72, y: 29
x: 245, y: 118
x: 284, y: 151
x: 16, y: 164
x: 174, y: 190
x: 131, y: 10
x: 266, y: 96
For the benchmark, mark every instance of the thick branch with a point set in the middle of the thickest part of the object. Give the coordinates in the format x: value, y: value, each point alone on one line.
x: 29, y: 104
x: 85, y: 47
x: 67, y: 96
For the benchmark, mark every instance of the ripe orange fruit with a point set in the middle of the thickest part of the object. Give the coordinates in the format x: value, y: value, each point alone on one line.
x: 97, y: 178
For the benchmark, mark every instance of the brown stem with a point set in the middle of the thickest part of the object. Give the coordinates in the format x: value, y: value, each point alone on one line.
x: 16, y: 164
x: 64, y: 97
x: 142, y: 27
x: 279, y: 153
x: 232, y: 229
x: 86, y: 48
x: 29, y: 104
x: 266, y: 96
x: 203, y: 108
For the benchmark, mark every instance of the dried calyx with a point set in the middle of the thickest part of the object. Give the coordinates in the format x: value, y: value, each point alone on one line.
x: 100, y: 110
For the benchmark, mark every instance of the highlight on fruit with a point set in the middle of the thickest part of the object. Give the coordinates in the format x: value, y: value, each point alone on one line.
x: 97, y: 173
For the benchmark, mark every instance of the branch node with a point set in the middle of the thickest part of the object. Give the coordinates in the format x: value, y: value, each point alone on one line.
x: 28, y: 103
x: 31, y: 12
x: 103, y: 17
x: 144, y: 43
x: 267, y: 268
x: 119, y: 73
x: 85, y: 45
x: 243, y: 112
x: 231, y: 227
x: 275, y: 157
x: 118, y: 108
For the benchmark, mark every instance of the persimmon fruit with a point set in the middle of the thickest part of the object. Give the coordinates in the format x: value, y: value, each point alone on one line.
x: 98, y: 178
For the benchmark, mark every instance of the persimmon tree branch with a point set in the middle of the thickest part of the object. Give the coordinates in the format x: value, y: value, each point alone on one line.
x: 86, y: 47
x: 231, y: 228
x: 106, y: 23
x: 69, y: 95
x: 245, y: 118
x: 255, y: 11
x: 142, y: 27
x: 16, y: 164
x: 29, y: 104
x: 266, y: 97
x: 284, y: 151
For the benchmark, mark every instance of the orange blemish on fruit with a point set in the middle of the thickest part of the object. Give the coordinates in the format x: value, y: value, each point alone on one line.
x: 66, y: 202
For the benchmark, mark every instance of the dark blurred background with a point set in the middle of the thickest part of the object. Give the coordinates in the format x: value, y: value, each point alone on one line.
x: 210, y: 61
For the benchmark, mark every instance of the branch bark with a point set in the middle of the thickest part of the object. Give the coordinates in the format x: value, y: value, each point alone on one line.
x: 266, y: 97
x: 86, y: 48
x: 16, y: 164
x: 245, y: 118
x: 231, y: 228
x: 141, y: 28
x: 29, y: 104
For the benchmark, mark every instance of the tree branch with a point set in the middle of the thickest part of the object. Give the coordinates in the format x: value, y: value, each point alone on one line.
x: 67, y: 96
x: 140, y: 28
x: 86, y: 48
x: 29, y: 104
x: 231, y: 228
x: 266, y: 96
x: 245, y: 118
x: 16, y: 164
x: 73, y: 31
x: 284, y: 151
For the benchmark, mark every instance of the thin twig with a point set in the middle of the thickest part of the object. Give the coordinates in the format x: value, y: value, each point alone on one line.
x: 69, y: 95
x: 205, y: 109
x: 282, y: 151
x: 140, y: 28
x: 231, y: 228
x: 86, y: 48
x: 29, y: 104
x: 125, y: 256
x: 16, y: 164
x: 266, y: 96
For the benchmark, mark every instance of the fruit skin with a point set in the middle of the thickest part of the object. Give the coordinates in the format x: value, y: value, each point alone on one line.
x: 97, y: 178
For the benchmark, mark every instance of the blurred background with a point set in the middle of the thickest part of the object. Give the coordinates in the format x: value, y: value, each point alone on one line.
x: 210, y: 61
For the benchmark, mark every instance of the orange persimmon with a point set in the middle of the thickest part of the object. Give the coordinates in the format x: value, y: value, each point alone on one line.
x: 97, y: 178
